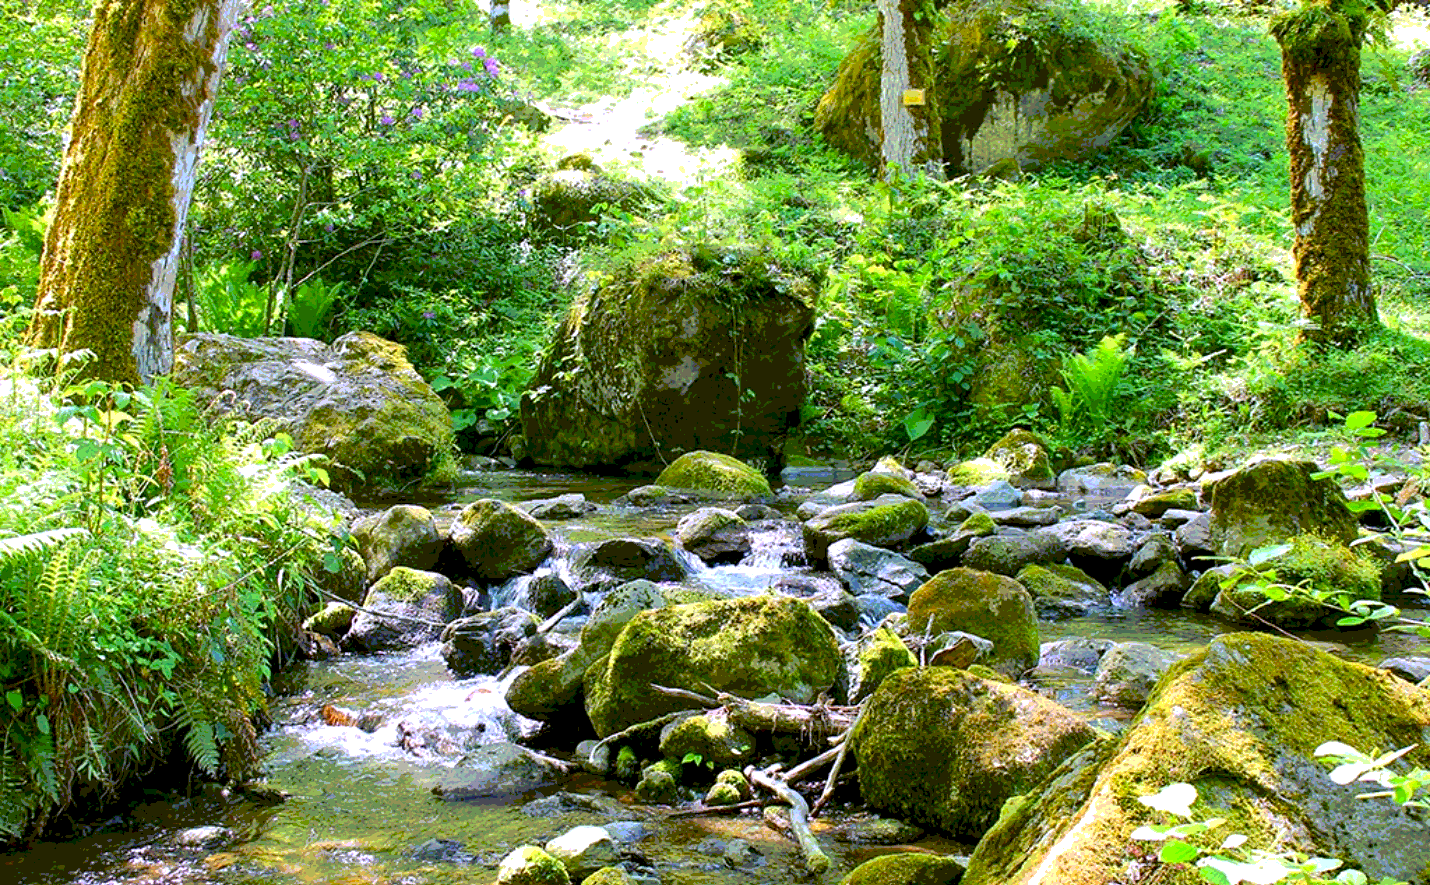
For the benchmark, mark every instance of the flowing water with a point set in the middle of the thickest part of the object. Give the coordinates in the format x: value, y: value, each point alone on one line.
x: 360, y: 807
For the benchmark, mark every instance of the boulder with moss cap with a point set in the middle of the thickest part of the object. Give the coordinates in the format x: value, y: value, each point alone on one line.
x: 529, y: 865
x: 499, y: 541
x: 884, y: 522
x: 1024, y: 455
x: 906, y: 869
x: 1240, y: 720
x: 714, y: 474
x: 1272, y: 500
x: 401, y: 535
x: 358, y: 401
x: 403, y: 610
x: 1305, y: 561
x: 749, y: 647
x: 994, y: 607
x: 944, y: 749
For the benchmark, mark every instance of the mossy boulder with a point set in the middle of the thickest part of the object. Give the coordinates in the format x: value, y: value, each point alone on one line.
x: 688, y: 350
x: 1314, y: 563
x: 945, y: 749
x: 749, y: 647
x: 423, y: 601
x: 994, y: 607
x: 906, y: 869
x: 332, y: 621
x: 714, y: 534
x: 878, y: 655
x: 716, y: 474
x: 711, y: 736
x: 401, y: 535
x: 499, y: 541
x: 358, y: 401
x: 1020, y: 84
x: 564, y: 201
x: 599, y: 566
x: 874, y: 483
x: 1008, y: 554
x: 884, y: 522
x: 529, y: 865
x: 977, y: 472
x: 1239, y: 720
x: 1152, y: 503
x: 1063, y: 590
x: 1024, y: 455
x: 1273, y: 500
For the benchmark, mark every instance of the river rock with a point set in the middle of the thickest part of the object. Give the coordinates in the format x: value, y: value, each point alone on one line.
x: 358, y: 401
x: 613, y: 875
x: 1079, y: 653
x: 906, y: 869
x: 948, y: 552
x: 1102, y: 480
x: 944, y: 749
x: 333, y: 621
x: 1061, y: 591
x: 714, y: 534
x: 992, y: 606
x: 1164, y: 588
x: 976, y: 473
x: 998, y: 495
x: 1025, y: 516
x: 442, y: 851
x: 884, y: 522
x: 1096, y: 546
x: 403, y: 535
x: 715, y: 475
x: 1007, y: 554
x: 499, y: 541
x: 529, y: 865
x: 874, y: 483
x: 543, y: 593
x: 496, y: 770
x: 1153, y: 503
x: 1024, y: 455
x: 1239, y: 720
x: 569, y: 506
x: 864, y: 568
x: 749, y: 647
x: 877, y: 655
x: 583, y: 850
x: 1309, y: 561
x: 483, y: 643
x: 414, y: 597
x: 1127, y: 671
x: 837, y: 606
x: 692, y: 349
x: 711, y: 736
x: 1273, y: 500
x: 1156, y: 551
x: 598, y: 566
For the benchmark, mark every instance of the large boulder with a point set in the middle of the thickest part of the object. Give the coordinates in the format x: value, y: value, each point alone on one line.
x: 1307, y: 561
x: 1024, y: 455
x: 404, y: 534
x: 714, y: 474
x: 496, y: 770
x: 944, y: 749
x: 883, y: 522
x: 994, y: 607
x: 714, y: 534
x: 688, y: 350
x: 498, y: 541
x: 1240, y: 721
x: 748, y: 647
x: 358, y: 401
x: 598, y: 566
x: 1272, y: 500
x: 1019, y: 83
x: 403, y: 610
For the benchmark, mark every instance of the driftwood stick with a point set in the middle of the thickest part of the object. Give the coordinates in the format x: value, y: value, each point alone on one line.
x: 381, y: 616
x: 833, y: 781
x: 815, y: 722
x: 687, y: 695
x: 550, y: 623
x: 809, y: 766
x: 717, y: 809
x: 816, y: 862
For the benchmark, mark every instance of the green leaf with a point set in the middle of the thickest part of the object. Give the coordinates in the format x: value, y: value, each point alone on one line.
x: 918, y: 422
x: 42, y: 723
x: 1177, y: 852
x: 1357, y: 420
x: 1174, y: 799
x: 15, y: 699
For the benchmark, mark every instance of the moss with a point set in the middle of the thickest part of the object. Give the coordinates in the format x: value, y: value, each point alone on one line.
x: 712, y: 738
x: 723, y: 794
x: 609, y: 876
x: 1239, y: 720
x: 530, y: 865
x: 885, y: 523
x: 870, y: 485
x: 714, y: 472
x: 905, y: 869
x: 994, y: 607
x: 659, y: 786
x: 405, y: 585
x: 748, y: 647
x: 980, y: 524
x: 499, y: 541
x: 944, y: 749
x: 1024, y: 455
x: 1273, y: 500
x: 977, y: 472
x: 542, y: 691
x: 145, y: 81
x: 1319, y: 565
x: 1062, y: 586
x: 882, y: 655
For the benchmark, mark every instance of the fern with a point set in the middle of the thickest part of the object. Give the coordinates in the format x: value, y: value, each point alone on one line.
x: 1092, y: 380
x: 199, y: 737
x: 20, y: 547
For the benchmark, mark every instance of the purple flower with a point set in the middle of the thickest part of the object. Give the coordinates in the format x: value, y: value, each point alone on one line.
x: 479, y: 53
x: 255, y: 255
x: 386, y: 120
x: 251, y: 46
x: 466, y: 66
x: 417, y: 174
x: 417, y: 113
x: 328, y: 227
x: 377, y: 77
x: 468, y: 86
x: 492, y: 67
x: 429, y: 315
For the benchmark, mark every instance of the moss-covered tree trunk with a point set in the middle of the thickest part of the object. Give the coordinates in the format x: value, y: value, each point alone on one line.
x: 907, y: 106
x: 151, y: 70
x: 1320, y: 61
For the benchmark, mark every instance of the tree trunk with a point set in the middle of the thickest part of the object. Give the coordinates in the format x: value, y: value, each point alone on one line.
x: 1320, y: 61
x: 151, y: 70
x: 912, y: 142
x: 500, y: 15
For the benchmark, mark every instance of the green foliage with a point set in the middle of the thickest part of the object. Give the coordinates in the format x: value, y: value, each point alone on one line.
x: 41, y: 46
x: 148, y: 631
x: 228, y: 302
x: 1085, y: 407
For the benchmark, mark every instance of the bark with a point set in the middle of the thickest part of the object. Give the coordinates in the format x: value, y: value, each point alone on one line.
x: 912, y: 142
x: 151, y: 70
x: 1320, y: 62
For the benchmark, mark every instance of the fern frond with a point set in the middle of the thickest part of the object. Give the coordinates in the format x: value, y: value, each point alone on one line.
x: 199, y: 737
x: 19, y: 547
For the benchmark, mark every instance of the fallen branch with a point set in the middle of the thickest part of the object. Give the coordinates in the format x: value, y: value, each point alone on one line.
x: 639, y: 731
x: 816, y: 862
x: 686, y: 695
x: 382, y: 616
x: 550, y: 623
x: 748, y: 805
x: 833, y: 780
x: 809, y: 766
